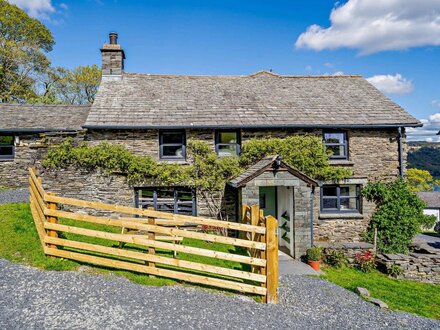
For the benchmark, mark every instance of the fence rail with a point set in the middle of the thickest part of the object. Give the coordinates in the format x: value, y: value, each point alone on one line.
x: 146, y: 237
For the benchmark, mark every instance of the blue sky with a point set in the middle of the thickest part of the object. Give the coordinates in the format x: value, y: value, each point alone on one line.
x: 395, y: 45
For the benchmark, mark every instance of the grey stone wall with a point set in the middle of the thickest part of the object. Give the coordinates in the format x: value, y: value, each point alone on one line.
x: 421, y: 267
x: 373, y: 155
x: 28, y: 153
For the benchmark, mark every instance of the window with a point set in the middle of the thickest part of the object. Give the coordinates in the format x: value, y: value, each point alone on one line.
x: 7, y: 149
x: 340, y: 198
x: 180, y: 200
x: 172, y: 144
x: 336, y: 142
x: 227, y: 143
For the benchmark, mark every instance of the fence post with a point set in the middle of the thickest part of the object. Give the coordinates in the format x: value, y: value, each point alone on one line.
x: 52, y: 233
x: 272, y: 260
x: 151, y: 236
x: 263, y: 254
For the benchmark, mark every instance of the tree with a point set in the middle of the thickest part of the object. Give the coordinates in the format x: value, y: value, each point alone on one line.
x: 420, y: 180
x: 398, y: 216
x: 24, y: 42
x: 78, y: 86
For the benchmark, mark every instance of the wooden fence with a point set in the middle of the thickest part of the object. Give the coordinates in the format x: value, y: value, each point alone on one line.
x: 146, y: 237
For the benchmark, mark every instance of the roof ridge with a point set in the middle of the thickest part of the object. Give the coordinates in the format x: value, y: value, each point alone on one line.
x: 239, y: 76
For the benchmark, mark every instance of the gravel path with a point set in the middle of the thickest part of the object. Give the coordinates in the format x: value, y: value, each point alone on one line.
x: 30, y: 298
x: 14, y: 196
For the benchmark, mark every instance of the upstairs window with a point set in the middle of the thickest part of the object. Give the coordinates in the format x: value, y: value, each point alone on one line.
x: 336, y: 142
x: 227, y: 143
x: 172, y: 144
x: 7, y: 149
x: 340, y: 198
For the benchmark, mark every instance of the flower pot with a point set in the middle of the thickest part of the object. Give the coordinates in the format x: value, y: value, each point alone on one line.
x: 316, y: 265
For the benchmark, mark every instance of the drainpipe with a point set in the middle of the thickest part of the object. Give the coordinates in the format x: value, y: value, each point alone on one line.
x: 312, y: 199
x: 399, y: 141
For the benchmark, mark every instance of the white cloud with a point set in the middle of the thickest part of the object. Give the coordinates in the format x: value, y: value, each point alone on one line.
x: 428, y: 132
x: 41, y: 9
x: 389, y: 84
x: 435, y: 103
x: 338, y: 73
x: 374, y: 26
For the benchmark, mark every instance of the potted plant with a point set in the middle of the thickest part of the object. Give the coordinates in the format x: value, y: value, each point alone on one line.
x: 314, y: 256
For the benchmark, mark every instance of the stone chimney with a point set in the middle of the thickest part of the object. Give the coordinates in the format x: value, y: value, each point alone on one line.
x: 113, y: 57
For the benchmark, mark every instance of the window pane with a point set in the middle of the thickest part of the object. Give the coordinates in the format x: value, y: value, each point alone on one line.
x: 227, y: 137
x: 6, y: 140
x: 6, y: 151
x: 334, y: 138
x: 329, y: 191
x: 172, y: 137
x: 348, y: 191
x: 227, y: 150
x: 172, y: 151
x: 179, y: 199
x: 329, y: 203
x: 337, y: 151
x: 348, y: 203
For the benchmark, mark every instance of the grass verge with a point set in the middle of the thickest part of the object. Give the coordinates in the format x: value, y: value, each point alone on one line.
x: 407, y: 296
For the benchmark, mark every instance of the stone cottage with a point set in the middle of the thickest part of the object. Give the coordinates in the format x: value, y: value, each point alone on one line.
x: 157, y: 115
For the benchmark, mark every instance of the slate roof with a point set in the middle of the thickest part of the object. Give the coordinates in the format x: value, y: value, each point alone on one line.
x: 431, y: 198
x: 42, y: 117
x: 263, y: 99
x: 268, y: 163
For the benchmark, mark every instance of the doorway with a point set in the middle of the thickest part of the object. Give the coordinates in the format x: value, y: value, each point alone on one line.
x: 278, y: 201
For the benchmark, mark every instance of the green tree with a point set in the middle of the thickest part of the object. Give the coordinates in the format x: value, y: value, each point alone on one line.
x: 420, y: 180
x: 398, y: 216
x: 77, y: 86
x: 24, y: 42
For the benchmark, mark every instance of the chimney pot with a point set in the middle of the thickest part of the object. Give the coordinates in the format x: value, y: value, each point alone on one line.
x: 113, y: 38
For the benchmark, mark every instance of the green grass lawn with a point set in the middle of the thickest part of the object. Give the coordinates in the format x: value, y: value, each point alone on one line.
x: 20, y: 243
x: 407, y: 296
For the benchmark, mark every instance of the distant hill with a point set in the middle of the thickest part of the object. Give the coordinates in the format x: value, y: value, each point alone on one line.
x: 425, y: 156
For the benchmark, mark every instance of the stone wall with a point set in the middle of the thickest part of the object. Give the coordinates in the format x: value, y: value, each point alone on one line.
x: 422, y: 267
x: 349, y: 249
x: 29, y: 151
x: 373, y: 155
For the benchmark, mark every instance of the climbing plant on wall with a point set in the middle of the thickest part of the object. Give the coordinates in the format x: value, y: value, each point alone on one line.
x: 205, y: 171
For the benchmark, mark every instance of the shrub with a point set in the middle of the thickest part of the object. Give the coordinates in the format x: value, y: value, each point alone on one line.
x: 314, y: 253
x: 398, y: 216
x: 365, y: 261
x: 305, y: 152
x: 335, y: 258
x: 395, y: 271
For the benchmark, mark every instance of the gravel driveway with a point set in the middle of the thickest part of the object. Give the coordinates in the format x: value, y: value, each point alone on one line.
x: 14, y: 196
x: 30, y: 298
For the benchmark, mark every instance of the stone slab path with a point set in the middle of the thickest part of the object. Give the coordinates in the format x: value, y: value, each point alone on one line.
x: 34, y: 299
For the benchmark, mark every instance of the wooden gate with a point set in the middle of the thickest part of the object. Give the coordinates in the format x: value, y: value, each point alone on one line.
x: 146, y: 241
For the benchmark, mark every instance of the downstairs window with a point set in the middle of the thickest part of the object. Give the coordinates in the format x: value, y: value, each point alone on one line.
x: 179, y: 200
x: 7, y: 148
x: 340, y: 198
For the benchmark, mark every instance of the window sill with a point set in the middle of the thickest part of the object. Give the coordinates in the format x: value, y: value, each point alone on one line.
x: 7, y: 160
x: 173, y: 161
x: 341, y: 162
x: 342, y: 215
